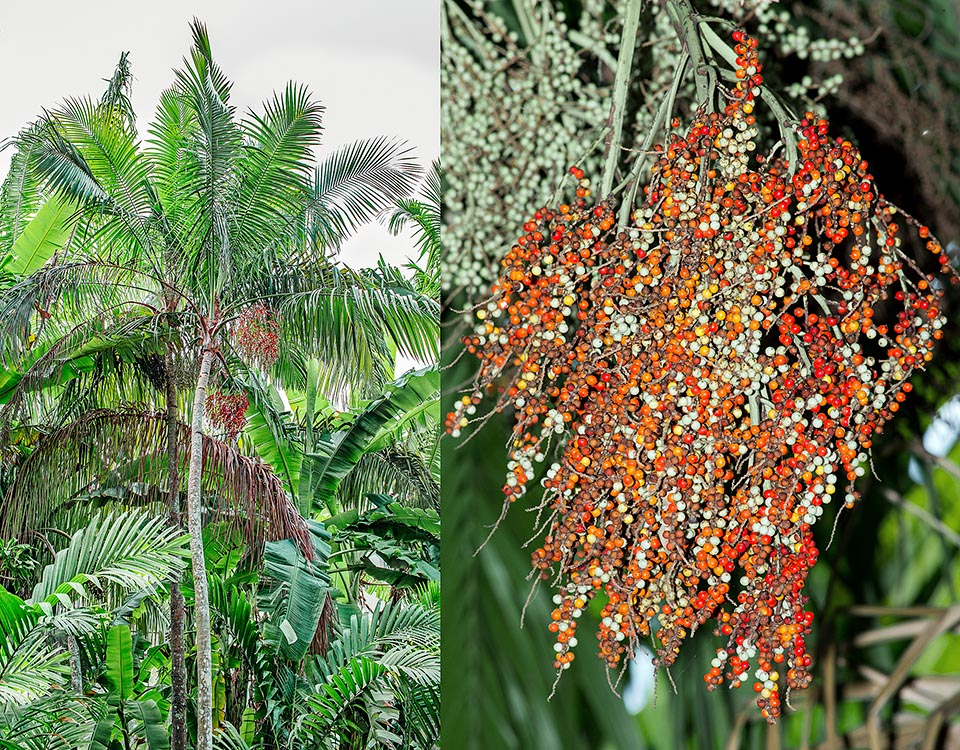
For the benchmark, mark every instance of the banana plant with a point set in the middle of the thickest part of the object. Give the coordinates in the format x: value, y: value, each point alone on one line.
x: 305, y: 587
x: 128, y: 716
x: 412, y: 401
x: 316, y: 450
x: 391, y: 543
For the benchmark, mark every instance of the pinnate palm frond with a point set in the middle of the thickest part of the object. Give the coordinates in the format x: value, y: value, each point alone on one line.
x: 228, y: 737
x: 356, y: 184
x: 414, y: 664
x: 134, y: 550
x: 93, y: 365
x: 376, y: 633
x: 62, y: 168
x: 218, y: 145
x: 275, y: 170
x: 109, y: 149
x: 422, y: 717
x: 334, y: 699
x: 381, y: 661
x: 28, y: 664
x: 174, y: 164
x: 347, y: 321
x: 78, y: 292
x: 21, y: 194
x: 423, y: 214
x: 61, y: 720
x: 319, y: 319
x: 90, y: 153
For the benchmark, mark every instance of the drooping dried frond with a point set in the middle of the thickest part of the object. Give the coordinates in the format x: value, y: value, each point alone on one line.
x: 109, y: 455
x: 396, y: 471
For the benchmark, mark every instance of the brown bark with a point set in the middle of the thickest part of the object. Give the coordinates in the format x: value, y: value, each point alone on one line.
x: 178, y: 667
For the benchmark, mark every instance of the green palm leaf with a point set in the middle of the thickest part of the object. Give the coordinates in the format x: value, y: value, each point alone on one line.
x: 275, y: 169
x: 389, y: 626
x: 355, y: 322
x: 394, y: 471
x: 424, y: 215
x: 422, y: 716
x: 415, y: 664
x: 133, y: 550
x: 342, y: 693
x: 383, y: 661
x: 58, y: 721
x: 28, y: 665
x: 21, y: 194
x: 92, y: 156
x: 357, y: 183
x: 218, y: 143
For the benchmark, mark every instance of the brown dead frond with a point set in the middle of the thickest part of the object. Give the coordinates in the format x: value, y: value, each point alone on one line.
x: 111, y: 454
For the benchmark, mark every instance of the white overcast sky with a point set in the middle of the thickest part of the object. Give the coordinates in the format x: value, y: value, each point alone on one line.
x: 374, y: 65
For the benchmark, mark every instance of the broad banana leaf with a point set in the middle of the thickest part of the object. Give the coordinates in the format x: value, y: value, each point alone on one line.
x: 335, y: 455
x: 46, y: 233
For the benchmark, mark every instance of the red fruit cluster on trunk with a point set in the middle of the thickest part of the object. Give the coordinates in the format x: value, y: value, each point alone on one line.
x: 707, y: 380
x: 227, y: 411
x: 256, y: 335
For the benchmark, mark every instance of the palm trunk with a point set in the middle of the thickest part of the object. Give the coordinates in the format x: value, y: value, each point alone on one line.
x: 76, y: 676
x: 178, y: 667
x: 201, y: 592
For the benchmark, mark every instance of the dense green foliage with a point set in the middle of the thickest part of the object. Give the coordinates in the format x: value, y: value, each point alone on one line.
x: 134, y: 276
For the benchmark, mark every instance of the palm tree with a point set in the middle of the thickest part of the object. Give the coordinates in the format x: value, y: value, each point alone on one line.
x: 423, y: 215
x: 159, y: 250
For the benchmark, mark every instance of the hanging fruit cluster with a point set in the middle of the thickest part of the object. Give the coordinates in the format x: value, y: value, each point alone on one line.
x: 256, y: 335
x: 227, y: 411
x: 708, y: 379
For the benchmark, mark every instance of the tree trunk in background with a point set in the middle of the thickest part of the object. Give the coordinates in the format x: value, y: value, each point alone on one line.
x: 76, y: 675
x: 178, y: 666
x: 202, y: 596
